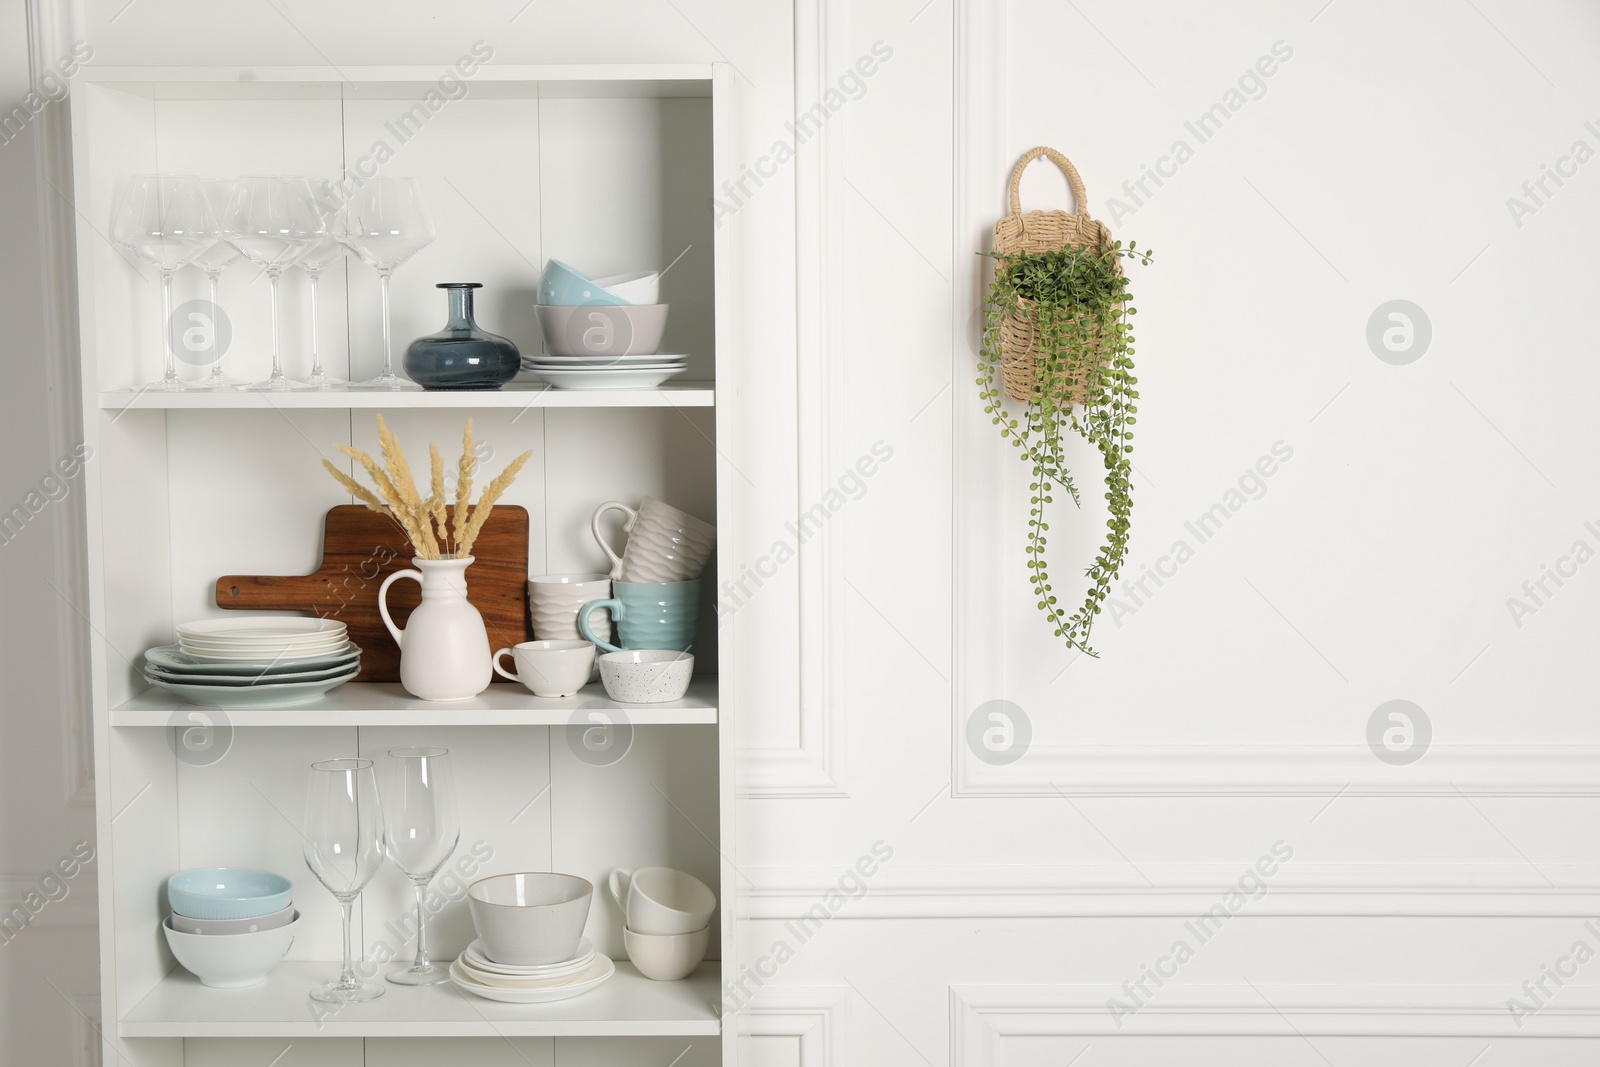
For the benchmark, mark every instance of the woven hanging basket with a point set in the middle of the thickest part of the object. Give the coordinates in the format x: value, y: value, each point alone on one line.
x: 1048, y: 231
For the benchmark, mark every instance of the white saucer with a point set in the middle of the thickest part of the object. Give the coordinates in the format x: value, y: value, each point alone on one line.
x: 597, y: 972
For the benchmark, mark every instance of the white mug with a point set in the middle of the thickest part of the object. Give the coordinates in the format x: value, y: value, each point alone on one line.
x: 554, y: 600
x: 660, y: 900
x: 549, y: 668
x: 664, y: 543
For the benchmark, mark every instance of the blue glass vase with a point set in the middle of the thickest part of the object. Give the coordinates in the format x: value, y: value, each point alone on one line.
x: 461, y: 356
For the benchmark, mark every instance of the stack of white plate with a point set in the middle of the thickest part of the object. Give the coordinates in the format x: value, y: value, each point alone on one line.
x: 476, y: 973
x: 605, y: 372
x: 254, y: 662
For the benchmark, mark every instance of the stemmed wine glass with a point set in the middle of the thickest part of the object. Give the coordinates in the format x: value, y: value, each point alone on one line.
x: 421, y: 831
x: 344, y: 849
x: 215, y: 258
x: 386, y: 224
x: 163, y: 220
x: 273, y: 221
x: 319, y: 257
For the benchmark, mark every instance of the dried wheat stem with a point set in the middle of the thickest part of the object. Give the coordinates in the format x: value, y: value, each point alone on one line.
x: 485, y: 505
x: 463, y: 487
x: 426, y: 547
x: 435, y: 504
x: 400, y: 474
x: 356, y: 489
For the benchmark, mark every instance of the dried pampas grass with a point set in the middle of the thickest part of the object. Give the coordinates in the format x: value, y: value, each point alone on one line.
x: 434, y: 533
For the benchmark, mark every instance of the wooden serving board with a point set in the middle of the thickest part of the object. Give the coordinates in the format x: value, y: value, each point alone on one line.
x: 360, y: 548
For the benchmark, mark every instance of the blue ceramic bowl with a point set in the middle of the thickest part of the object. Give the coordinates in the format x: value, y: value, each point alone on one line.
x: 227, y: 893
x: 567, y: 286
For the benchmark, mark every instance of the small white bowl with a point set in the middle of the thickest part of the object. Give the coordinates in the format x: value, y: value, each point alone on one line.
x: 531, y: 917
x: 641, y: 288
x: 235, y: 961
x: 230, y: 927
x: 667, y: 957
x: 646, y: 676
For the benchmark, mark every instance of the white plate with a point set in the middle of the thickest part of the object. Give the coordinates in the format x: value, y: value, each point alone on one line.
x: 476, y: 958
x: 250, y: 626
x: 268, y: 655
x: 263, y: 639
x: 599, y: 378
x: 258, y: 679
x: 172, y: 660
x: 604, y: 361
x: 598, y: 971
x: 285, y: 695
x: 508, y: 981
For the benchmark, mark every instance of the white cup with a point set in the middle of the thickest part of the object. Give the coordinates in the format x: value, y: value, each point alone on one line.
x: 554, y: 600
x: 549, y: 668
x: 666, y: 957
x: 664, y: 544
x: 660, y: 900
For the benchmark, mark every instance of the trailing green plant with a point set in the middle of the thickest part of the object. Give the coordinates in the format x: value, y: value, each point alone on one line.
x: 1079, y: 307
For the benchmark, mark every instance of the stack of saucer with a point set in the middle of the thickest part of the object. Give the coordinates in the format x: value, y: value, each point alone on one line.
x: 541, y: 983
x: 254, y: 662
x: 605, y: 372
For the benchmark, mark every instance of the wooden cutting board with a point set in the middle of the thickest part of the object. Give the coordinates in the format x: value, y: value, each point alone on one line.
x: 360, y: 548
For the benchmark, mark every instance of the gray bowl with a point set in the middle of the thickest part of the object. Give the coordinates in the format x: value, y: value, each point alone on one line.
x: 596, y: 330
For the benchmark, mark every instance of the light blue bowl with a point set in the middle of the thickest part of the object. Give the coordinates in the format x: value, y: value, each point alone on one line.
x: 227, y: 893
x: 566, y: 286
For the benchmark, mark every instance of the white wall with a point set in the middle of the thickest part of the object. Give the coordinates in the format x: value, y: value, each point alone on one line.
x: 1375, y: 566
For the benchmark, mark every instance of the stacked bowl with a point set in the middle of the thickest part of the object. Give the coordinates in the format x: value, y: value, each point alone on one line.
x: 230, y: 926
x: 254, y: 662
x: 602, y: 333
x: 666, y: 919
x: 530, y: 947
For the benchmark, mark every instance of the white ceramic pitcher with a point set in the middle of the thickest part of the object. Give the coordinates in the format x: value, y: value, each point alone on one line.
x: 444, y: 648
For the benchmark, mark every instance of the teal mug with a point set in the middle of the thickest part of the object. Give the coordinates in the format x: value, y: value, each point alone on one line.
x: 648, y: 615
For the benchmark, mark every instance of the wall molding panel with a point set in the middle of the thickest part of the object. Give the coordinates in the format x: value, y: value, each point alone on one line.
x: 983, y: 1017
x: 815, y: 1015
x: 1182, y: 890
x: 80, y: 907
x: 814, y: 768
x: 1282, y: 770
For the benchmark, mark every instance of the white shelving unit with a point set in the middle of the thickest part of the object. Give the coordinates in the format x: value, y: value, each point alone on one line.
x: 611, y: 167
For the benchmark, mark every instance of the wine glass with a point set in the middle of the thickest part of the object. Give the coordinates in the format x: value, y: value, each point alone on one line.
x: 273, y: 221
x: 215, y: 258
x: 319, y: 257
x: 421, y: 829
x: 163, y: 220
x: 344, y: 849
x: 386, y: 224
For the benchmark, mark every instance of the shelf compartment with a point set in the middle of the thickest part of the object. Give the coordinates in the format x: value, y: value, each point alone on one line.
x: 628, y: 1005
x: 387, y: 704
x: 513, y: 395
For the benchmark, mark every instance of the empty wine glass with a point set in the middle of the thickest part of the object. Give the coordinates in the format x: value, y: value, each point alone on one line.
x: 384, y: 224
x: 344, y: 849
x: 163, y: 220
x: 273, y: 221
x: 215, y: 258
x: 421, y: 829
x: 319, y: 257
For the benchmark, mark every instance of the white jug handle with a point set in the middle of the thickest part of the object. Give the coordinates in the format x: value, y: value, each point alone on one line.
x: 383, y: 602
x: 619, y: 882
x: 594, y: 527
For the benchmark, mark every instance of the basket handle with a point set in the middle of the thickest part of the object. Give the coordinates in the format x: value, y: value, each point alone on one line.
x: 1080, y: 198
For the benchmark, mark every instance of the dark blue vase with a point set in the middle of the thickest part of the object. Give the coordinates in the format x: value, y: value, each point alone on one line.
x: 461, y: 356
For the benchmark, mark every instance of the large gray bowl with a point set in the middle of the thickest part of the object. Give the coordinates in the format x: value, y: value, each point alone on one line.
x: 596, y: 330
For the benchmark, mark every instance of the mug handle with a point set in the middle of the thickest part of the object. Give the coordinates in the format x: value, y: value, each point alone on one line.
x: 618, y: 882
x: 494, y: 661
x: 627, y: 527
x: 383, y: 602
x: 588, y: 632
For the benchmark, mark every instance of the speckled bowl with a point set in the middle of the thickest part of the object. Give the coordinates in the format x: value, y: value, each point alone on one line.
x: 646, y: 676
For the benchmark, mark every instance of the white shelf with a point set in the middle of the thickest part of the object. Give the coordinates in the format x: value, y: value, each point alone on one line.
x: 386, y: 704
x: 524, y: 394
x: 627, y: 1005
